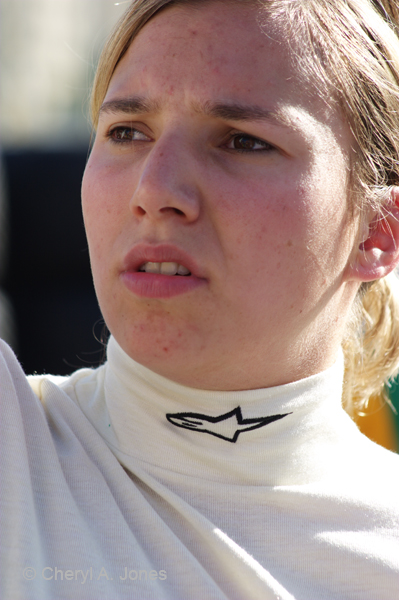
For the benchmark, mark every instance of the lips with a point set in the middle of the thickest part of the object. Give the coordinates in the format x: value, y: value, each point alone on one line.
x: 155, y: 284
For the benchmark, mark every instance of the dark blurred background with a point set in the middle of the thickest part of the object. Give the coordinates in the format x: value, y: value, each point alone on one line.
x: 48, y: 280
x: 48, y: 310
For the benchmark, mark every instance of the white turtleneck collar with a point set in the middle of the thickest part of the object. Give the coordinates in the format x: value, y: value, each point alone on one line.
x: 274, y: 436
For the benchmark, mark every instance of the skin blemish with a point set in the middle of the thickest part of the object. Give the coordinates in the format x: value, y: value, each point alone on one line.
x: 289, y: 243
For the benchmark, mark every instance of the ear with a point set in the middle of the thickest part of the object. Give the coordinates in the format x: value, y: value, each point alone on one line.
x: 378, y: 254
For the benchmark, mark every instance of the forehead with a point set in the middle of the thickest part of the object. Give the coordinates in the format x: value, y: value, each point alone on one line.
x: 215, y: 30
x: 224, y: 45
x: 189, y: 55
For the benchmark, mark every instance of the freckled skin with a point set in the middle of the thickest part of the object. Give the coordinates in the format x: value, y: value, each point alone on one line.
x: 269, y: 229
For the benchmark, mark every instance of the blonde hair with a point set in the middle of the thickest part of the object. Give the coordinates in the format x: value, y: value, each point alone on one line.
x: 347, y: 51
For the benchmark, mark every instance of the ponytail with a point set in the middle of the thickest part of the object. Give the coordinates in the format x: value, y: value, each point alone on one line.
x: 372, y: 348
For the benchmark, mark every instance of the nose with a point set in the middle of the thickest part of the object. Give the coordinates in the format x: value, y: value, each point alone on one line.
x: 168, y: 184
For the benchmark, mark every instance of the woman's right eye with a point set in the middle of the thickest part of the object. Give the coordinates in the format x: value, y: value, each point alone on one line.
x: 122, y: 134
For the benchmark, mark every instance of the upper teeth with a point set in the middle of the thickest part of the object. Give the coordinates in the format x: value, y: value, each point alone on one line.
x: 165, y: 268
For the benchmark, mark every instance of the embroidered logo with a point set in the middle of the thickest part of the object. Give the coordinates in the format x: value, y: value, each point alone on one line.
x: 227, y: 427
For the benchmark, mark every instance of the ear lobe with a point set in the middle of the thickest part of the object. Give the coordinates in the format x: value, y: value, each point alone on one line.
x: 378, y: 254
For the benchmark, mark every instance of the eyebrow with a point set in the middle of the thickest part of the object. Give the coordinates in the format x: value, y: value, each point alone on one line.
x: 131, y: 106
x: 228, y: 111
x: 232, y: 111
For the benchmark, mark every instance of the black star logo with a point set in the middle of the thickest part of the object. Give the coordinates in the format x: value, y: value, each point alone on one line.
x: 227, y: 426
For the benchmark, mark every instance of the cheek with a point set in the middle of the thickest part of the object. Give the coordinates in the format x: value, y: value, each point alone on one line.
x: 264, y: 232
x: 104, y: 204
x: 281, y: 234
x: 262, y: 216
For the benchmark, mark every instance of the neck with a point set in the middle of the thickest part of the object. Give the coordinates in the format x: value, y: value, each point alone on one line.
x: 260, y: 436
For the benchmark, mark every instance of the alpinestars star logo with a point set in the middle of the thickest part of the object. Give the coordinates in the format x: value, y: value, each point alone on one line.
x: 227, y: 426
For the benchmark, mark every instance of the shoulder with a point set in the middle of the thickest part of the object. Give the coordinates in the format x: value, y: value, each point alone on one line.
x: 15, y: 391
x: 45, y: 396
x: 42, y: 423
x: 14, y: 382
x: 365, y: 480
x: 373, y: 460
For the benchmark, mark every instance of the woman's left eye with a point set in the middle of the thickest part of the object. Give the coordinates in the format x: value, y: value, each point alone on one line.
x: 247, y: 143
x: 122, y: 134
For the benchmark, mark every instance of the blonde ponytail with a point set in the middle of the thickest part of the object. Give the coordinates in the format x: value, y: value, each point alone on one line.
x: 371, y: 349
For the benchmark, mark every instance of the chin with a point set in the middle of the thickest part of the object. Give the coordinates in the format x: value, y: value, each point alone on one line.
x: 160, y: 348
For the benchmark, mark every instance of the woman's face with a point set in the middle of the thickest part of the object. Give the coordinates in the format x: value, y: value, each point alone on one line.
x: 210, y: 154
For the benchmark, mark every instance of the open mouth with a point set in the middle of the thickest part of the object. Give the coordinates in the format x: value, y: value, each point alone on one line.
x: 164, y: 268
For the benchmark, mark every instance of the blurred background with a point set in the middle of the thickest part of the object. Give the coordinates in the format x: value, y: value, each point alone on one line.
x: 48, y: 310
x: 48, y: 50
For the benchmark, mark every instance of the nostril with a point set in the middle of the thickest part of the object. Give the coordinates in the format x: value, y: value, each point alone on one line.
x: 173, y: 209
x: 140, y: 211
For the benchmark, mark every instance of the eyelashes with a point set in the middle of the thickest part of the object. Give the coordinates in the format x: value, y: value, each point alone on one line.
x: 242, y: 142
x: 123, y: 135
